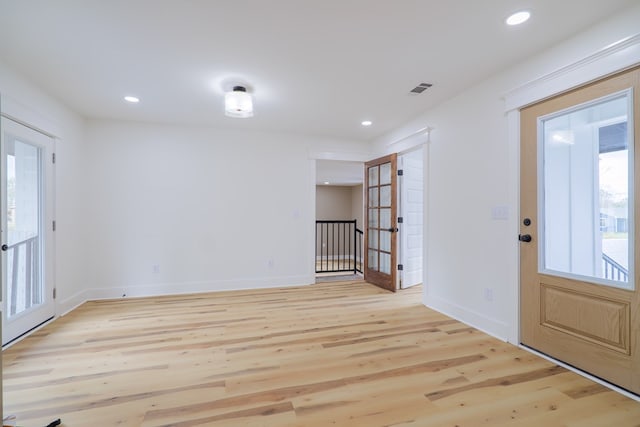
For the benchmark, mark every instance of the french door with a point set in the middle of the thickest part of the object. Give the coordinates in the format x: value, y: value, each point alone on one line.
x: 381, y: 222
x: 579, y: 263
x: 27, y: 233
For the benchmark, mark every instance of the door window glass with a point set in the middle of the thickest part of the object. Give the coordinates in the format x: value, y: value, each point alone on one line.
x: 24, y: 243
x: 585, y: 190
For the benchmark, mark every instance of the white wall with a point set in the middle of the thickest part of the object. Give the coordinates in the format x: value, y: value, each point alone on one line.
x: 471, y: 167
x: 187, y: 209
x: 23, y: 101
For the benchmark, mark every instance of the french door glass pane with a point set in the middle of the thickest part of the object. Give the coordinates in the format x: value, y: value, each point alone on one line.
x: 373, y: 196
x: 586, y: 191
x: 385, y: 195
x: 385, y: 241
x: 373, y: 238
x: 373, y: 218
x: 385, y: 218
x: 385, y: 263
x: 373, y: 260
x: 385, y: 173
x: 373, y: 176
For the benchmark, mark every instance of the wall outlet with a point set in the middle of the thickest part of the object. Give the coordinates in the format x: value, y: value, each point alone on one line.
x: 488, y: 294
x: 155, y: 268
x: 271, y: 264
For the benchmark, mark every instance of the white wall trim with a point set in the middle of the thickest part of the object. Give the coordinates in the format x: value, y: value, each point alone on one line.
x: 69, y: 304
x: 617, y: 56
x: 159, y: 289
x: 27, y: 116
x: 183, y: 288
x: 513, y: 263
x: 340, y: 155
x: 489, y: 326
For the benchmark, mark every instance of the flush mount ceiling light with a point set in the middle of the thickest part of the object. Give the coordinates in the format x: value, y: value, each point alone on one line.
x: 131, y: 99
x: 518, y: 18
x: 366, y: 123
x: 238, y: 103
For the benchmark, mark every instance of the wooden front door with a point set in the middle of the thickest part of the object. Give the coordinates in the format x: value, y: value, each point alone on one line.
x: 579, y: 296
x: 381, y: 221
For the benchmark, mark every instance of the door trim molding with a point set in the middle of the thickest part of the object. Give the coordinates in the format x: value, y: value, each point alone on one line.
x: 613, y: 58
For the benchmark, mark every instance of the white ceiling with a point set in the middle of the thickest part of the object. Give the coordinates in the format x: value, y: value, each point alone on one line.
x: 315, y: 66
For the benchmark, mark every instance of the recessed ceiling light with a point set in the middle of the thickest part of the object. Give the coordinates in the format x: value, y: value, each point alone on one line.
x: 366, y: 123
x: 518, y: 18
x: 131, y: 99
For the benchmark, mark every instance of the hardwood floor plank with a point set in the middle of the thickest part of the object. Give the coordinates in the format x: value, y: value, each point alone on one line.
x: 499, y: 381
x: 344, y: 353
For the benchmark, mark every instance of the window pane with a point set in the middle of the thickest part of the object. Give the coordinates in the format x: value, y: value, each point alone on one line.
x: 385, y: 218
x: 385, y: 263
x: 25, y: 288
x: 373, y: 196
x: 373, y: 239
x: 385, y: 173
x: 373, y: 175
x: 586, y: 191
x: 373, y: 218
x: 373, y: 260
x: 385, y: 195
x: 385, y: 241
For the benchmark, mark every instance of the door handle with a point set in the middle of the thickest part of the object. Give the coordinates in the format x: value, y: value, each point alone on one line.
x: 393, y: 230
x: 5, y: 248
x: 524, y: 238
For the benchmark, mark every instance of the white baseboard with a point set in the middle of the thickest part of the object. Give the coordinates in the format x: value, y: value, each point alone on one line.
x: 158, y: 289
x: 495, y: 328
x: 68, y: 304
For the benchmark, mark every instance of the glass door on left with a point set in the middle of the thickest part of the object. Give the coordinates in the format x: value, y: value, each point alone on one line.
x: 27, y: 229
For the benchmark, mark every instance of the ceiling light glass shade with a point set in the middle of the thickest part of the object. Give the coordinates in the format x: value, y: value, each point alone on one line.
x: 238, y: 103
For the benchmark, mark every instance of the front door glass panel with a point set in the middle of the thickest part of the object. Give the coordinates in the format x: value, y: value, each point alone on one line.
x: 586, y: 192
x: 24, y: 222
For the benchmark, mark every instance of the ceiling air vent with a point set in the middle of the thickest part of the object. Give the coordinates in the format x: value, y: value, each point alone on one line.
x: 420, y: 88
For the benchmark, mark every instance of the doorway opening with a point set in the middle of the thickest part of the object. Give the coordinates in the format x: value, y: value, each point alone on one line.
x: 341, y: 208
x: 339, y: 220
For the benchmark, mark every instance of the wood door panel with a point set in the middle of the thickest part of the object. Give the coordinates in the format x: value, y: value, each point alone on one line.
x: 381, y: 207
x: 595, y: 319
x: 582, y: 322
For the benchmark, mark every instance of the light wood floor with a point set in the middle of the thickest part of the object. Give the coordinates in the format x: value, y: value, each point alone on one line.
x: 344, y: 354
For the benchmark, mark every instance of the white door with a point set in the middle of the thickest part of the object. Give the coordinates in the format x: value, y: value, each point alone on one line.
x: 411, y: 211
x: 27, y: 229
